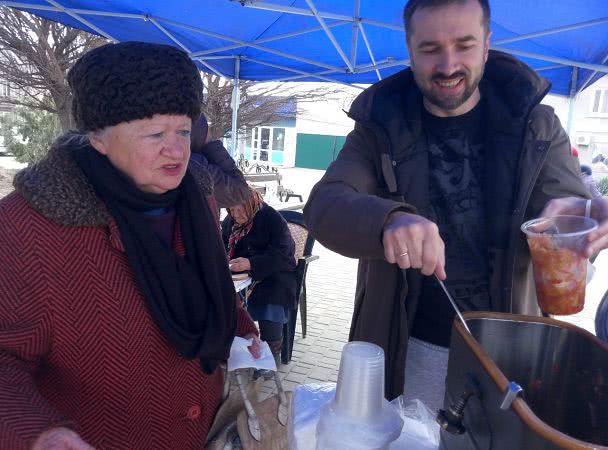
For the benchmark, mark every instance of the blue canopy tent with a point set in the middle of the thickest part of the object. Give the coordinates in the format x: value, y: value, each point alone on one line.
x: 344, y: 41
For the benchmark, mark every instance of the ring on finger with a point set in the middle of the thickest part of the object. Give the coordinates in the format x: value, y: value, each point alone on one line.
x: 403, y: 254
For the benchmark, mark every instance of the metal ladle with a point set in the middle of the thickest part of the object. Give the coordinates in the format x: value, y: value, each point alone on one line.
x: 453, y: 303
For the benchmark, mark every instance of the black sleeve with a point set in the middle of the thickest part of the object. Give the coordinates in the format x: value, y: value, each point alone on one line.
x: 279, y: 254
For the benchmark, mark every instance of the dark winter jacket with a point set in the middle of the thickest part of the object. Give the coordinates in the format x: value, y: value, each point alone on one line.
x: 528, y: 162
x: 78, y: 346
x: 229, y: 185
x: 270, y: 250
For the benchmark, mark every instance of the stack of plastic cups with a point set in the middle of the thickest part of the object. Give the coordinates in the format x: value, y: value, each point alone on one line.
x: 359, y: 417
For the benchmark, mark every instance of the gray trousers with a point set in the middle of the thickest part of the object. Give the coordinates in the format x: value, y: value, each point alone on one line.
x: 426, y: 368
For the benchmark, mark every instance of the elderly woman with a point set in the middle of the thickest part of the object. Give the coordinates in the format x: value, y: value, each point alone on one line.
x: 115, y: 309
x: 258, y: 241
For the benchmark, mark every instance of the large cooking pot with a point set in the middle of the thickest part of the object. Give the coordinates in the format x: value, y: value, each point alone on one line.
x: 562, y: 370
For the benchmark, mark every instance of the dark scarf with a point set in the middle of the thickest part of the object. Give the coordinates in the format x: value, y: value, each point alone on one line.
x: 191, y: 298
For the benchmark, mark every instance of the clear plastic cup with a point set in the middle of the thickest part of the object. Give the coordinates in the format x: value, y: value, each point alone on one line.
x: 360, y: 387
x: 359, y: 417
x: 558, y: 261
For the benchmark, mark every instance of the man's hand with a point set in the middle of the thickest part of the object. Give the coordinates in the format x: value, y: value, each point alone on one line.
x: 574, y: 206
x: 60, y: 439
x: 254, y: 348
x: 239, y: 265
x: 411, y: 241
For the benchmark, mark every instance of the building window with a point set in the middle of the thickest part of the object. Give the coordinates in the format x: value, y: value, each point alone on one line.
x: 278, y: 139
x: 266, y: 141
x: 5, y: 89
x: 599, y: 103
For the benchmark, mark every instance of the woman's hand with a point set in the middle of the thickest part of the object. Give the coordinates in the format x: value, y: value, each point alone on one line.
x: 239, y: 265
x: 254, y: 348
x: 60, y: 439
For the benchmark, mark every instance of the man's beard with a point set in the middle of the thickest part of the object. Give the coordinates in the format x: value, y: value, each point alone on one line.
x: 447, y: 102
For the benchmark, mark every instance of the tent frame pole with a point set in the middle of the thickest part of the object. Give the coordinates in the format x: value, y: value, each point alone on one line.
x: 355, y: 33
x: 564, y: 61
x: 277, y: 37
x: 236, y: 99
x: 572, y: 100
x: 330, y: 35
x: 593, y: 74
x: 250, y: 44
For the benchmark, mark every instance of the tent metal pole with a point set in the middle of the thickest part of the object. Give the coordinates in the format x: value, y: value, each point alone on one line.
x: 369, y: 50
x: 290, y: 69
x: 211, y: 68
x: 574, y: 26
x: 305, y: 12
x: 551, y: 67
x: 249, y: 44
x: 83, y: 21
x: 329, y: 34
x: 84, y: 12
x: 179, y: 43
x: 270, y: 38
x: 568, y: 62
x: 236, y: 99
x: 212, y: 57
x: 291, y: 10
x: 355, y: 35
x: 593, y: 74
x: 572, y: 99
x: 299, y: 77
x: 386, y: 63
x: 169, y: 35
x: 325, y: 15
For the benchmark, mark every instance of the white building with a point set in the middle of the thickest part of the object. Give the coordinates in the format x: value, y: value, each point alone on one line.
x: 589, y: 122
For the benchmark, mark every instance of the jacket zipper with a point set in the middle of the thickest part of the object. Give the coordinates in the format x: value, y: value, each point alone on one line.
x: 520, y: 209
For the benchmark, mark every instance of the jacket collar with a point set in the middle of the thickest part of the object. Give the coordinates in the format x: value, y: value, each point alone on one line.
x: 57, y: 188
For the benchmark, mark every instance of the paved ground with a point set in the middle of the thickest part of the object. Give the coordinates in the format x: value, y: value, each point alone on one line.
x: 330, y: 293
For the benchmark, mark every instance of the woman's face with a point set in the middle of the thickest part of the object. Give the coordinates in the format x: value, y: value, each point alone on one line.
x: 238, y: 214
x: 153, y: 153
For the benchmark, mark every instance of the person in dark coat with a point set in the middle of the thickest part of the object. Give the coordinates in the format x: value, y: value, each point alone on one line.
x: 229, y: 185
x: 589, y: 182
x: 258, y: 241
x: 446, y: 161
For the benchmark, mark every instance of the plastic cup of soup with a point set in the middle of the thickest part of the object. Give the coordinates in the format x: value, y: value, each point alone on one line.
x: 560, y: 267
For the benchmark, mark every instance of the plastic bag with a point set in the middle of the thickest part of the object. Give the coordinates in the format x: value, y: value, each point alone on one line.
x: 420, y: 430
x: 307, y: 402
x: 338, y: 430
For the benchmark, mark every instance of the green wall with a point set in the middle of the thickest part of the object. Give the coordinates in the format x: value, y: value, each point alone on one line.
x: 316, y: 151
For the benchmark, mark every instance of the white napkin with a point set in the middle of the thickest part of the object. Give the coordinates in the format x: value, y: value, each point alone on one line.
x: 241, y: 357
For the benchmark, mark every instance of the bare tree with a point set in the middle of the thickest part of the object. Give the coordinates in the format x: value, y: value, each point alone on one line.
x: 35, y: 56
x: 260, y: 103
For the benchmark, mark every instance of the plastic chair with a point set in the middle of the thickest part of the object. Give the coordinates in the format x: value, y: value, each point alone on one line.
x: 304, y: 243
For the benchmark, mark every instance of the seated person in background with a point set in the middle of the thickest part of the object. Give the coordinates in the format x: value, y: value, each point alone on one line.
x: 589, y: 182
x: 229, y: 185
x: 258, y: 241
x: 115, y: 309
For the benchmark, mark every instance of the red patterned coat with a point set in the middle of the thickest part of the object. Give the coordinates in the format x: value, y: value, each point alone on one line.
x: 77, y: 344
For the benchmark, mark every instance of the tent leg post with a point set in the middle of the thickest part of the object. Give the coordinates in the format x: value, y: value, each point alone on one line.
x: 572, y: 101
x: 236, y: 97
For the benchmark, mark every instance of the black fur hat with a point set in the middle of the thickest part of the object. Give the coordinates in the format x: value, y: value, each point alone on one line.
x: 122, y: 82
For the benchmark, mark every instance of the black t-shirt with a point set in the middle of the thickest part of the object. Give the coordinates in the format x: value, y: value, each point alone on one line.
x: 456, y: 161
